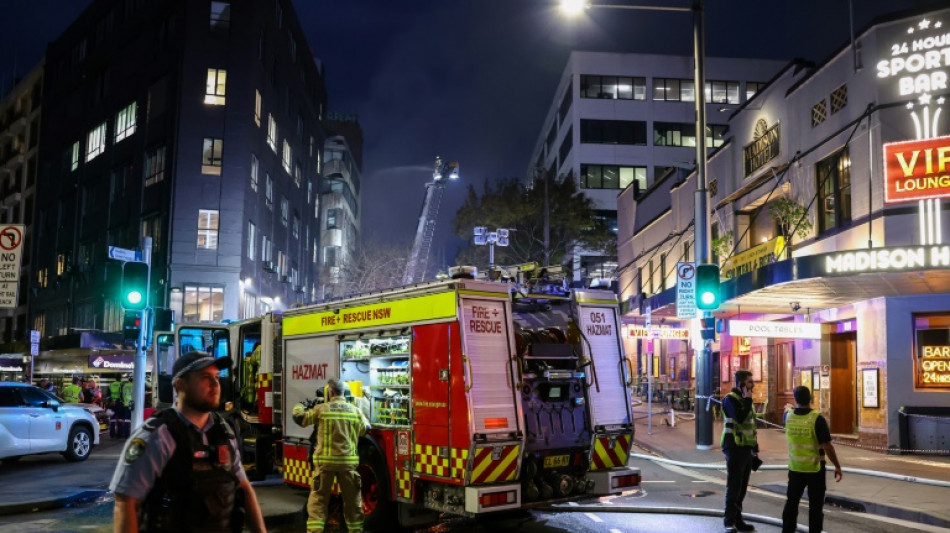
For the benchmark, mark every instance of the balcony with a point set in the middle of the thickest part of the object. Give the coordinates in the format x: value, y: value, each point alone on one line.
x: 336, y: 169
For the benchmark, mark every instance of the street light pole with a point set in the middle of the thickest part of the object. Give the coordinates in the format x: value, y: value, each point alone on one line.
x: 704, y: 377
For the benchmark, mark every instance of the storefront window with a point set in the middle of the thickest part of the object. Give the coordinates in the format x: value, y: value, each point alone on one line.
x: 785, y: 362
x: 932, y: 351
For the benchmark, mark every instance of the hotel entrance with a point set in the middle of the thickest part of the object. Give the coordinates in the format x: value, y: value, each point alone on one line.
x: 844, y: 414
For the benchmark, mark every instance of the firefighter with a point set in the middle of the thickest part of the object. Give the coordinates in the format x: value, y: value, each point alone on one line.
x: 252, y: 364
x: 72, y: 393
x: 181, y: 471
x: 339, y: 425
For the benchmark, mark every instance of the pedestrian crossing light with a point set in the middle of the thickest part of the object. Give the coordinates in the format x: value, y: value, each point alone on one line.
x: 708, y: 296
x: 134, y: 285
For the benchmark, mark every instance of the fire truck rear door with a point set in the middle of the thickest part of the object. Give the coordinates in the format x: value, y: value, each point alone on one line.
x: 486, y: 356
x: 608, y: 391
x: 310, y: 361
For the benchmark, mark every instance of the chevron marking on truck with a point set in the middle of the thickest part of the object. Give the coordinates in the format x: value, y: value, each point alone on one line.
x: 604, y: 457
x: 486, y: 470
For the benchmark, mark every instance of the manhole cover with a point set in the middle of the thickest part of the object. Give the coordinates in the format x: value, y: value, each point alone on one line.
x: 699, y: 494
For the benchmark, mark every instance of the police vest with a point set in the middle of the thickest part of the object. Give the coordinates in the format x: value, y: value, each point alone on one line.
x: 115, y: 391
x: 742, y: 431
x: 72, y: 394
x: 127, y: 393
x: 803, y: 448
x: 197, y: 491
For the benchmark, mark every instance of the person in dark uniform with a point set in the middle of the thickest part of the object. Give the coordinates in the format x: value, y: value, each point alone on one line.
x: 739, y: 445
x: 181, y: 470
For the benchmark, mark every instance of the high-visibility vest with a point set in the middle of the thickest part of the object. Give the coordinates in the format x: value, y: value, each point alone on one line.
x: 115, y: 390
x: 742, y: 431
x: 72, y: 393
x: 803, y: 447
x: 127, y: 393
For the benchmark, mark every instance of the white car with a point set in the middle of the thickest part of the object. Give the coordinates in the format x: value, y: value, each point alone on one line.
x: 34, y: 421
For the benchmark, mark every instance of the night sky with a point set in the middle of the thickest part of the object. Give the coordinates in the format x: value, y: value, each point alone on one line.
x: 471, y: 80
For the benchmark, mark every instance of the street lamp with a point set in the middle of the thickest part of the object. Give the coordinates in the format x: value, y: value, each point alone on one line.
x: 701, y: 221
x: 498, y: 237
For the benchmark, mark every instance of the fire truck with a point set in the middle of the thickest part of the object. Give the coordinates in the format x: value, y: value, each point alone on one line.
x: 474, y: 407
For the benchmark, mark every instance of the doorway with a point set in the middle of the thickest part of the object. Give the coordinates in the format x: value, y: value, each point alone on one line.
x: 843, y: 388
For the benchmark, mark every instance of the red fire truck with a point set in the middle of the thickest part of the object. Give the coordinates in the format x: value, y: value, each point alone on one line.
x: 473, y: 408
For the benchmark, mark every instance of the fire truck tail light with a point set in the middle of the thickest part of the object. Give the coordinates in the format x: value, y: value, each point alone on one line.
x: 495, y: 499
x: 496, y: 423
x: 631, y: 480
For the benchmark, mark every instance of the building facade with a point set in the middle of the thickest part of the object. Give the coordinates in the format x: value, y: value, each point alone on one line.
x: 197, y: 124
x: 340, y: 201
x: 20, y: 112
x: 829, y: 227
x: 620, y: 120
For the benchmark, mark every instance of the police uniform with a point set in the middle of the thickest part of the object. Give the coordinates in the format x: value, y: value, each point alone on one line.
x: 739, y: 443
x: 118, y: 409
x: 72, y: 393
x: 187, y: 478
x: 805, y: 430
x: 339, y: 426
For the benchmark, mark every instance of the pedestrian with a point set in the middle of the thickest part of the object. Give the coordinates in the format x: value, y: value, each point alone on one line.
x: 339, y: 425
x: 809, y: 442
x: 72, y: 393
x: 47, y: 385
x: 128, y: 393
x: 740, y: 447
x: 94, y: 393
x: 118, y: 408
x: 181, y: 470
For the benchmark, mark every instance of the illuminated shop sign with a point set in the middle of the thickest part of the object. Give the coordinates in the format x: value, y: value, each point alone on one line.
x: 774, y: 330
x: 657, y: 332
x: 933, y: 358
x: 111, y: 362
x: 917, y: 170
x: 763, y: 148
x: 887, y: 260
x: 753, y: 258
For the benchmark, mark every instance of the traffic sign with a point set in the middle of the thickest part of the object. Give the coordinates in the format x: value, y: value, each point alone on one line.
x: 124, y: 254
x: 685, y: 290
x: 11, y: 249
x: 34, y: 336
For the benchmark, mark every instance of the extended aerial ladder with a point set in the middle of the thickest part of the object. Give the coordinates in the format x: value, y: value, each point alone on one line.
x: 419, y: 256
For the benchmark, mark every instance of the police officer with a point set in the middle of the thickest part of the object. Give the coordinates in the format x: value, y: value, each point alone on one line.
x: 809, y: 440
x: 118, y: 409
x: 740, y: 446
x: 181, y: 471
x: 72, y: 393
x: 339, y: 426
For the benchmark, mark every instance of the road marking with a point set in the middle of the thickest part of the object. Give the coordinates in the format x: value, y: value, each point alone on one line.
x: 593, y: 517
x: 658, y: 481
x: 573, y: 504
x: 700, y: 481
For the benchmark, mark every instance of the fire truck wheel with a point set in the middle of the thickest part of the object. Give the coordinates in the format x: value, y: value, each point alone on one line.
x: 379, y: 509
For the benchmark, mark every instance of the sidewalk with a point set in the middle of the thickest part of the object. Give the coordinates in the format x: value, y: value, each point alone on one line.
x: 906, y: 500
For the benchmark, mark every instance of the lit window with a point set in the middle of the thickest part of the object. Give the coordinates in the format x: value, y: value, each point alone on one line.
x: 215, y: 86
x: 257, y: 107
x: 96, y: 142
x: 296, y: 226
x: 251, y: 241
x: 332, y: 216
x: 211, y: 156
x: 272, y: 132
x: 220, y: 15
x: 833, y: 182
x: 155, y: 166
x: 288, y: 155
x: 254, y: 171
x: 74, y: 158
x: 268, y: 190
x: 203, y: 304
x: 284, y: 211
x: 125, y: 122
x: 207, y: 229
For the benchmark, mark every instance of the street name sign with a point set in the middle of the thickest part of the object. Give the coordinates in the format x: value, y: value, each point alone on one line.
x: 685, y: 290
x: 11, y: 250
x: 124, y: 254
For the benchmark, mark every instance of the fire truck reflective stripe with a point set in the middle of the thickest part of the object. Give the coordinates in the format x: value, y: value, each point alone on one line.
x: 428, y: 461
x: 485, y: 293
x: 297, y: 472
x: 404, y: 478
x: 485, y: 470
x: 603, y: 457
x: 597, y: 301
x: 265, y: 380
x: 459, y: 458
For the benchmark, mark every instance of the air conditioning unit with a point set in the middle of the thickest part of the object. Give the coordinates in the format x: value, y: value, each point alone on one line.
x: 269, y: 266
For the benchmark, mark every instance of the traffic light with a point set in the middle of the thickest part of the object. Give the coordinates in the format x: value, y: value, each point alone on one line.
x: 134, y: 286
x: 131, y: 325
x: 708, y: 297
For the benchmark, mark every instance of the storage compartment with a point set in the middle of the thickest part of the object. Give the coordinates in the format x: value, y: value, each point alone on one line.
x: 380, y: 365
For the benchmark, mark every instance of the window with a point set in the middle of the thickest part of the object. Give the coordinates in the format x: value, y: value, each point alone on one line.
x: 62, y: 260
x: 272, y: 132
x: 833, y: 182
x: 267, y: 248
x: 96, y: 142
x: 42, y: 277
x: 211, y: 156
x: 752, y: 88
x: 254, y: 170
x: 819, y: 112
x: 154, y: 166
x: 74, y: 158
x: 931, y: 338
x: 257, y: 107
x: 722, y: 92
x: 214, y: 87
x: 614, y: 132
x: 284, y: 211
x: 566, y: 144
x: 268, y: 190
x: 785, y: 361
x: 613, y: 87
x: 125, y: 122
x: 612, y: 177
x: 251, y: 241
x: 281, y: 263
x: 565, y: 103
x: 332, y: 215
x: 673, y: 90
x: 330, y: 256
x: 203, y: 304
x: 207, y: 229
x: 288, y: 156
x: 220, y: 16
x: 677, y: 134
x: 296, y: 226
x: 839, y: 99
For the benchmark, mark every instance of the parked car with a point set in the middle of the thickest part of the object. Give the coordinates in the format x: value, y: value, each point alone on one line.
x: 33, y: 421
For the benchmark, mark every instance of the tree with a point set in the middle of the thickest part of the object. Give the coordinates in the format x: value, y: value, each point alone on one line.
x: 373, y: 266
x: 507, y: 203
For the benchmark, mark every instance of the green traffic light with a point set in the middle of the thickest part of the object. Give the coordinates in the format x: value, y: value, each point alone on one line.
x: 134, y: 297
x: 708, y: 298
x: 134, y: 285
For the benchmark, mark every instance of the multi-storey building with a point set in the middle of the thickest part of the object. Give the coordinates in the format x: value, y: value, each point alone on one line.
x: 827, y: 221
x: 625, y: 119
x: 197, y: 124
x: 340, y: 201
x: 20, y: 111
